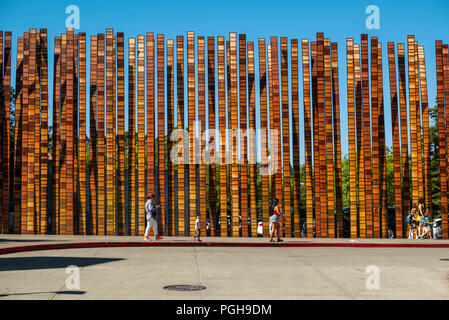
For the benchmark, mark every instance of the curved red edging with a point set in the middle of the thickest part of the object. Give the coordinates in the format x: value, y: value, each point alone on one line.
x: 81, y: 245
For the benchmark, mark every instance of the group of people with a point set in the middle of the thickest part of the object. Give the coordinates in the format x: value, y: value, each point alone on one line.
x: 276, y: 218
x: 419, y: 221
x: 151, y: 216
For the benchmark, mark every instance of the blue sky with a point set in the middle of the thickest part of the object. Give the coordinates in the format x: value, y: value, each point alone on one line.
x: 293, y: 19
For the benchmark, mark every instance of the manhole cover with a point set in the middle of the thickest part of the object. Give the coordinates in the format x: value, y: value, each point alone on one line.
x: 184, y: 287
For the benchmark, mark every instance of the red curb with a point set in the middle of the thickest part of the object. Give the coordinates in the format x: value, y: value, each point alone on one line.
x: 81, y: 245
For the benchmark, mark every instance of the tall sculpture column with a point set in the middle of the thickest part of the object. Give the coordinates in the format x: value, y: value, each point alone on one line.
x: 181, y: 222
x: 264, y: 132
x: 296, y: 204
x: 162, y: 218
x: 93, y: 170
x: 222, y: 126
x: 243, y: 159
x: 404, y: 140
x: 307, y: 137
x: 200, y: 145
x: 213, y: 131
x: 252, y: 140
x: 131, y: 134
x: 337, y: 141
x: 140, y: 207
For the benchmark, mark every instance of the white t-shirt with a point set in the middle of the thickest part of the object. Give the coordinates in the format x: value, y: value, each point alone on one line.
x: 197, y: 223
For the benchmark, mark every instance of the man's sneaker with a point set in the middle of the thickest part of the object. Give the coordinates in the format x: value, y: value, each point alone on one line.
x: 158, y: 238
x: 146, y: 239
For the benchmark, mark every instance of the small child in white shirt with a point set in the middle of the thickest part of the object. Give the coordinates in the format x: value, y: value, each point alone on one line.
x: 196, y: 237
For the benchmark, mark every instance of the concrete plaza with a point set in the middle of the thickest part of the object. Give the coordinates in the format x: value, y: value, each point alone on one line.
x: 226, y: 272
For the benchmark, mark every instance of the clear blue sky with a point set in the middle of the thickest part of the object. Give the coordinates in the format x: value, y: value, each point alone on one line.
x: 427, y: 20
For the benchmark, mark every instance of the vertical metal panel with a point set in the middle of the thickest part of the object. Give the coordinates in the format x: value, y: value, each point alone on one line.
x: 426, y: 129
x: 322, y: 136
x: 200, y: 144
x: 132, y: 134
x: 6, y: 144
x: 264, y: 131
x: 190, y: 214
x: 140, y: 207
x: 275, y: 114
x: 307, y: 137
x: 25, y: 129
x: 121, y: 133
x: 222, y: 126
x: 396, y: 138
x: 382, y: 147
x: 352, y: 137
x: 337, y: 141
x: 233, y: 113
x: 93, y: 169
x: 170, y: 126
x: 82, y: 132
x: 316, y: 144
x: 441, y: 65
x: 213, y: 142
x: 243, y: 136
x: 31, y: 219
x: 18, y: 138
x: 180, y: 120
x: 162, y: 218
x: 404, y: 139
x: 2, y: 136
x: 295, y: 139
x: 375, y: 139
x: 443, y: 171
x: 110, y: 135
x: 419, y: 137
x: 367, y: 136
x: 70, y: 139
x: 44, y: 130
x: 413, y: 119
x: 75, y: 134
x: 252, y: 140
x: 329, y: 139
x: 101, y: 137
x: 150, y: 87
x: 360, y: 144
x: 286, y: 167
x: 37, y: 136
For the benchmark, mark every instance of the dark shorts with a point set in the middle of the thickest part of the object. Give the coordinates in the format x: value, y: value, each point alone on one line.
x: 197, y: 234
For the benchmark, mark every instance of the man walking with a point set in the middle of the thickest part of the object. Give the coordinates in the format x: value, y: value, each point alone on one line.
x: 151, y: 215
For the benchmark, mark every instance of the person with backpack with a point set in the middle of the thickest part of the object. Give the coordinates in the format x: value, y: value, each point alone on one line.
x: 151, y: 216
x: 275, y: 213
x: 427, y: 230
x: 411, y: 221
x: 421, y: 218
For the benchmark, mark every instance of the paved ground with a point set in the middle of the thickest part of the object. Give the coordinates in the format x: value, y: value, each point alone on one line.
x: 7, y: 240
x: 228, y: 273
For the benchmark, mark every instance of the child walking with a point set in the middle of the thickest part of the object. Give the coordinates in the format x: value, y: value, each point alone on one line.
x: 196, y: 237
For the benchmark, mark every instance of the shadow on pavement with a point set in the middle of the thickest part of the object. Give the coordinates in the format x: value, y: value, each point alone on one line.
x: 29, y: 240
x: 54, y: 292
x: 34, y: 263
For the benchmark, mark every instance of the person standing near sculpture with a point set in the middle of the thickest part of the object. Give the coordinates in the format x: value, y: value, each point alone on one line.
x: 275, y: 215
x: 151, y: 216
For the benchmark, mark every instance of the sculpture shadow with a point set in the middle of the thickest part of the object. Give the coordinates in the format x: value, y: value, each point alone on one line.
x: 68, y: 292
x: 29, y: 240
x: 39, y: 263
